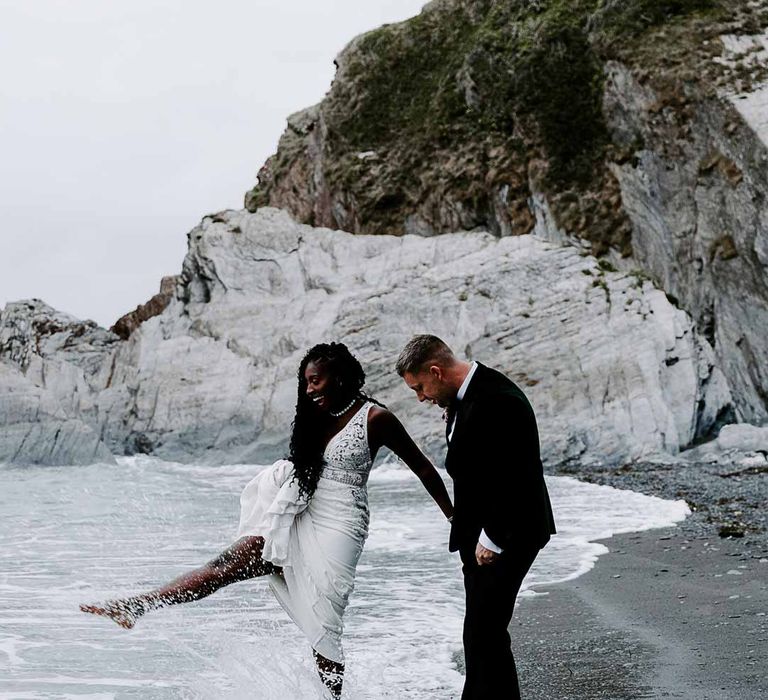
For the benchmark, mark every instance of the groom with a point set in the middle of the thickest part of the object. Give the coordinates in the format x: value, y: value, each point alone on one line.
x: 502, y: 515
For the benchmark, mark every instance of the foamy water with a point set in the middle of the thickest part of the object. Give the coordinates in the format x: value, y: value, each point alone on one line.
x: 83, y: 534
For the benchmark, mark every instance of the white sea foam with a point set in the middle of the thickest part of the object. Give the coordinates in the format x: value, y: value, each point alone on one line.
x: 79, y: 534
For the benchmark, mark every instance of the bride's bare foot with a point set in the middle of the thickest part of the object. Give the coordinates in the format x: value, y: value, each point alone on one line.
x: 125, y: 613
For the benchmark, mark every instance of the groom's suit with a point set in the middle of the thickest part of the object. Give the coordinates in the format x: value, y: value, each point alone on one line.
x: 500, y: 499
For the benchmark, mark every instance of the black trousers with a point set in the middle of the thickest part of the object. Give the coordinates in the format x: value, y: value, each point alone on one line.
x: 491, y: 591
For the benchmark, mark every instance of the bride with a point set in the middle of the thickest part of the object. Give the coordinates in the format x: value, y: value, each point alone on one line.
x: 303, y: 521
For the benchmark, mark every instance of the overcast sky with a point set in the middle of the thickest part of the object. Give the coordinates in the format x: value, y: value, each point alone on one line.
x: 123, y: 122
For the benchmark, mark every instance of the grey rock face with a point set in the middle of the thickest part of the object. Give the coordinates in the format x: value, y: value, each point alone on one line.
x: 739, y: 446
x: 34, y: 429
x: 684, y: 111
x: 700, y: 225
x: 743, y: 437
x: 611, y: 366
x: 52, y: 367
x: 613, y: 369
x: 126, y: 324
x: 67, y: 357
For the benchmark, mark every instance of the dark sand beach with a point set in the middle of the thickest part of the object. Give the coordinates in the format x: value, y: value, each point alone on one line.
x: 674, y: 613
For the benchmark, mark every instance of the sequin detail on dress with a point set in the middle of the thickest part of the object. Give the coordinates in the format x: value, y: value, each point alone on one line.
x: 348, y: 455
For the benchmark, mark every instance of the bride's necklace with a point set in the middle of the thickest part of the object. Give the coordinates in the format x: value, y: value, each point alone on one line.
x: 343, y: 410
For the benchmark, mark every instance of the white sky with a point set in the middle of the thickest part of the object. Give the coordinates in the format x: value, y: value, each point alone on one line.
x: 123, y: 122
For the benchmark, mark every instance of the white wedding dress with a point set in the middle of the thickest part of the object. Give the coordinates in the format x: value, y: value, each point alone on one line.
x: 317, y: 544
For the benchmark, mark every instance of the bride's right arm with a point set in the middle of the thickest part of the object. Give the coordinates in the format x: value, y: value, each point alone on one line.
x: 391, y: 433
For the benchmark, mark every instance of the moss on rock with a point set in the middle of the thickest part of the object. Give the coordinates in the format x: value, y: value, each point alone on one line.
x: 452, y: 119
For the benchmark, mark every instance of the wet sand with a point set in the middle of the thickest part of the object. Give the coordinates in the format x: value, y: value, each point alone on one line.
x: 674, y: 613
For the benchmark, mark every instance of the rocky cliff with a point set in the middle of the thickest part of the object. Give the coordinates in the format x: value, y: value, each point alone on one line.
x: 574, y: 192
x: 613, y: 368
x: 128, y: 323
x: 640, y: 126
x: 52, y: 367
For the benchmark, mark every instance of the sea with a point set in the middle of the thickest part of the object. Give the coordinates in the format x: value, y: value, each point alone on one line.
x: 70, y: 535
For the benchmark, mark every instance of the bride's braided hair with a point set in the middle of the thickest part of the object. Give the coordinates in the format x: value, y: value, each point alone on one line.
x: 310, y: 427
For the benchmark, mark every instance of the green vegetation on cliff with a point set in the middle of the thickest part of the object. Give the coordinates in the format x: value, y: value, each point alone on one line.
x: 460, y: 114
x: 440, y: 79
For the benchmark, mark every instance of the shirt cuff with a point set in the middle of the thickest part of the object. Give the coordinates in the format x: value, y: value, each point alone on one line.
x: 489, y: 544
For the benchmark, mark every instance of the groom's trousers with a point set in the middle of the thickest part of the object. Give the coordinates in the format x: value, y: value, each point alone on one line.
x: 491, y: 590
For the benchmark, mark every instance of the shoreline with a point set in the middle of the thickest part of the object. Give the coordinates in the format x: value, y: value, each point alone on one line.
x: 671, y: 612
x: 677, y: 612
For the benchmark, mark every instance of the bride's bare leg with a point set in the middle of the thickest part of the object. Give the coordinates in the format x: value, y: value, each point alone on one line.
x: 331, y: 673
x: 239, y: 562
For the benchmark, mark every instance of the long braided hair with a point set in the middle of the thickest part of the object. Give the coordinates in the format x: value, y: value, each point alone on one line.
x: 310, y: 426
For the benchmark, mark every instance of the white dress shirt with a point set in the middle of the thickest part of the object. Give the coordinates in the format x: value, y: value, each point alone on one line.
x: 460, y: 395
x: 486, y: 541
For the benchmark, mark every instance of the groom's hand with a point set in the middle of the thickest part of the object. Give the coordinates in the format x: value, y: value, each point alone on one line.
x: 484, y: 555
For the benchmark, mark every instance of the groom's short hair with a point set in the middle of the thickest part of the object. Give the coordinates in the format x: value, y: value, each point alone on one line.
x: 422, y: 350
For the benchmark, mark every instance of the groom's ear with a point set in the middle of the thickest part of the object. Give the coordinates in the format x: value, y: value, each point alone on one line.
x: 437, y: 372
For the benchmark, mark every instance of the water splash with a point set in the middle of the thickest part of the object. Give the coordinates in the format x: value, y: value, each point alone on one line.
x: 83, y: 534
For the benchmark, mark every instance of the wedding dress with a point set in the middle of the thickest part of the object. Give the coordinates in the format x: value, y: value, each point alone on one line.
x: 317, y: 544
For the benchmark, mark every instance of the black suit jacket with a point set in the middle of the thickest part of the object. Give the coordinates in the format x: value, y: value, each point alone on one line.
x: 493, y: 459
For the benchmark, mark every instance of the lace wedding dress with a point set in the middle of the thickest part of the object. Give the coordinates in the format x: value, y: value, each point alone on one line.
x: 317, y: 544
